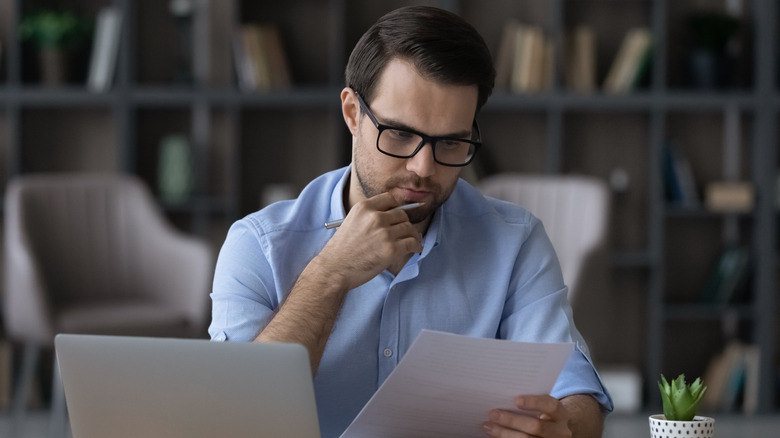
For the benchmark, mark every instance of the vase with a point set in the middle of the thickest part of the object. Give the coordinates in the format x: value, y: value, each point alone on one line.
x: 54, y: 67
x: 699, y: 427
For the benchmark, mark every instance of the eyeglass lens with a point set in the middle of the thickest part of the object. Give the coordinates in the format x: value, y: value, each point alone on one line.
x: 404, y: 144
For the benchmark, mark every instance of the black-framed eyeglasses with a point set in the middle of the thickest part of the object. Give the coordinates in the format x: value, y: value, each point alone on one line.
x: 405, y: 143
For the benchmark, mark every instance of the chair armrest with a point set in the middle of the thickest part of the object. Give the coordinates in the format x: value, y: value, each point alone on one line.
x: 26, y: 306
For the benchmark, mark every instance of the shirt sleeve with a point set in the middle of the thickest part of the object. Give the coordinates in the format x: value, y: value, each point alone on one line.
x: 537, y: 310
x: 243, y: 295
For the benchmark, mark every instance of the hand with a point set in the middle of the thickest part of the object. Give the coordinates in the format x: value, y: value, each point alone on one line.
x: 546, y: 417
x: 372, y: 237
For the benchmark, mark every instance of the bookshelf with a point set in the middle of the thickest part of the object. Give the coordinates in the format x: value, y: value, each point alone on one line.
x: 244, y: 142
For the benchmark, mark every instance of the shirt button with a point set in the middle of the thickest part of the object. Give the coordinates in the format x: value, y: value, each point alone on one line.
x: 388, y: 352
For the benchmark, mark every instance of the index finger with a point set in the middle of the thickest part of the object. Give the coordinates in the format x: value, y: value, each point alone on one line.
x: 382, y: 202
x: 544, y: 404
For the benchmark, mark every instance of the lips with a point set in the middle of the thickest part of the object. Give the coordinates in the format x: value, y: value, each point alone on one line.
x: 414, y: 195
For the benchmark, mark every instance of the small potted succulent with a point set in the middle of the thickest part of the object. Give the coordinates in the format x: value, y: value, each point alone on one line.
x: 680, y: 401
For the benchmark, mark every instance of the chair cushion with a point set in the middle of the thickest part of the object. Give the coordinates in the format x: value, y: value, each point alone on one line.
x: 128, y: 318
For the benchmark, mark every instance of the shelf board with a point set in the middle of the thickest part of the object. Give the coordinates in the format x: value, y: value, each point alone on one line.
x: 707, y: 311
x: 643, y: 100
x: 326, y: 97
x: 305, y: 97
x: 70, y: 96
x: 674, y: 211
x: 632, y: 259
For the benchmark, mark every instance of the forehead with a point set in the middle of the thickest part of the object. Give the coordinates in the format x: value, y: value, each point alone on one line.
x: 403, y: 95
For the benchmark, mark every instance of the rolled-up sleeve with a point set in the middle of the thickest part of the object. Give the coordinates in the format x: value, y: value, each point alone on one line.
x: 242, y: 301
x: 538, y: 310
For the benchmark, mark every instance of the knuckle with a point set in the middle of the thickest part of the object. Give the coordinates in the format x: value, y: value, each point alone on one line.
x: 535, y: 427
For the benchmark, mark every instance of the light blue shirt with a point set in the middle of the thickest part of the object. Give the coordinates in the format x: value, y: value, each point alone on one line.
x: 487, y: 269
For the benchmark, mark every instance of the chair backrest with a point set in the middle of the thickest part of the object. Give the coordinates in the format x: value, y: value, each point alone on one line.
x: 573, y: 208
x: 73, y: 239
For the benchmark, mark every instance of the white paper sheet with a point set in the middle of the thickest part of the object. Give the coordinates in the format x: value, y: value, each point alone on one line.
x: 446, y: 384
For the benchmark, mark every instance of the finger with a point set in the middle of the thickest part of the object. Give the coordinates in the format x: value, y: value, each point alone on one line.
x: 382, y: 202
x: 411, y: 245
x: 503, y: 421
x: 498, y: 431
x: 545, y: 406
x: 396, y: 216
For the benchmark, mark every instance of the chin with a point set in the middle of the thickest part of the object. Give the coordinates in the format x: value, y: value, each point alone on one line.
x: 421, y: 214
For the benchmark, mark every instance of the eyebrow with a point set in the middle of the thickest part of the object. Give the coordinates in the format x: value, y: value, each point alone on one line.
x: 404, y: 127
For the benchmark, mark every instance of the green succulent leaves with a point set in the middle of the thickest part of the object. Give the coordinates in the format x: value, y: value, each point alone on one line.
x: 680, y: 400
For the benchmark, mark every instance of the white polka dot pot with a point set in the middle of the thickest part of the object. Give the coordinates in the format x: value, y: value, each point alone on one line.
x: 699, y: 427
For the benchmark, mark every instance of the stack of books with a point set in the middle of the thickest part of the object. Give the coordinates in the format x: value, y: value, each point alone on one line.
x: 525, y: 59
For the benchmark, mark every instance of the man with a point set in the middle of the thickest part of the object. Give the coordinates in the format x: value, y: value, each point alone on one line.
x: 357, y: 296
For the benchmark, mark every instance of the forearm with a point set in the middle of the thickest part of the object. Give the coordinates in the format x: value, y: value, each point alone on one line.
x: 308, y: 313
x: 586, y: 416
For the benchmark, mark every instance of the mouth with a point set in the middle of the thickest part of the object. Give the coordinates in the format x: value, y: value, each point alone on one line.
x: 410, y: 195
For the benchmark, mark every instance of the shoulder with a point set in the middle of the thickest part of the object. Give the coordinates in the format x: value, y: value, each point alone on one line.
x: 467, y: 202
x: 305, y: 213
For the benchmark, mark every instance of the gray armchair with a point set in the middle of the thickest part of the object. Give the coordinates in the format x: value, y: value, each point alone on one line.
x: 94, y: 254
x: 575, y: 212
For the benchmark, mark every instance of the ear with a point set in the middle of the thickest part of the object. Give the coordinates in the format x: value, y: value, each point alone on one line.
x: 350, y: 109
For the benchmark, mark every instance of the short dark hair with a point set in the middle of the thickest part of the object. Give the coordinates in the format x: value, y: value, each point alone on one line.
x: 442, y: 46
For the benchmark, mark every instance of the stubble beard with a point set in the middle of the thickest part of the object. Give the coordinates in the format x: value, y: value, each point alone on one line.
x: 372, y: 188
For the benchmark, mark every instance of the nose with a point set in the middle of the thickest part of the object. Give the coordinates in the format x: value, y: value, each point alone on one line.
x: 422, y: 163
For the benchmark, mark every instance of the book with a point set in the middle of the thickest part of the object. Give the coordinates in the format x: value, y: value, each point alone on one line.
x: 520, y: 61
x: 105, y: 49
x: 261, y: 63
x: 630, y: 61
x: 679, y: 181
x: 505, y: 55
x: 580, y: 65
x: 752, y: 358
x: 253, y: 42
x: 720, y: 373
x: 727, y: 276
x: 245, y: 70
x: 730, y: 196
x: 529, y: 61
x: 279, y: 72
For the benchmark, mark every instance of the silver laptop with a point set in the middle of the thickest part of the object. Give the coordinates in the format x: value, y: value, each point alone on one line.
x: 153, y: 387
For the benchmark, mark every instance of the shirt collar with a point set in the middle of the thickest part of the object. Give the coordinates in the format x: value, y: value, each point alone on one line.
x: 337, y: 210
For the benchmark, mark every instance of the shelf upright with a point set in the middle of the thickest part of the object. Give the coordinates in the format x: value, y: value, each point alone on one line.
x: 656, y: 221
x: 124, y: 107
x: 554, y: 129
x: 235, y: 110
x: 14, y: 84
x: 337, y: 47
x: 765, y: 161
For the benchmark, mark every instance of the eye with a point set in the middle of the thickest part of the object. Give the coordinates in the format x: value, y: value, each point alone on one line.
x: 451, y: 144
x: 401, y: 135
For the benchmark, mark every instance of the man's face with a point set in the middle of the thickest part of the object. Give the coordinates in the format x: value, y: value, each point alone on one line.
x: 404, y: 99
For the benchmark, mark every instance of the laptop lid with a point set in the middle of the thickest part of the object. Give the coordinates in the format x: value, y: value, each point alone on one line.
x: 157, y: 387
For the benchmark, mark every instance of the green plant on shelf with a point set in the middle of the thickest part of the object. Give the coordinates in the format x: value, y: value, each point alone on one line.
x: 57, y: 36
x: 55, y: 29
